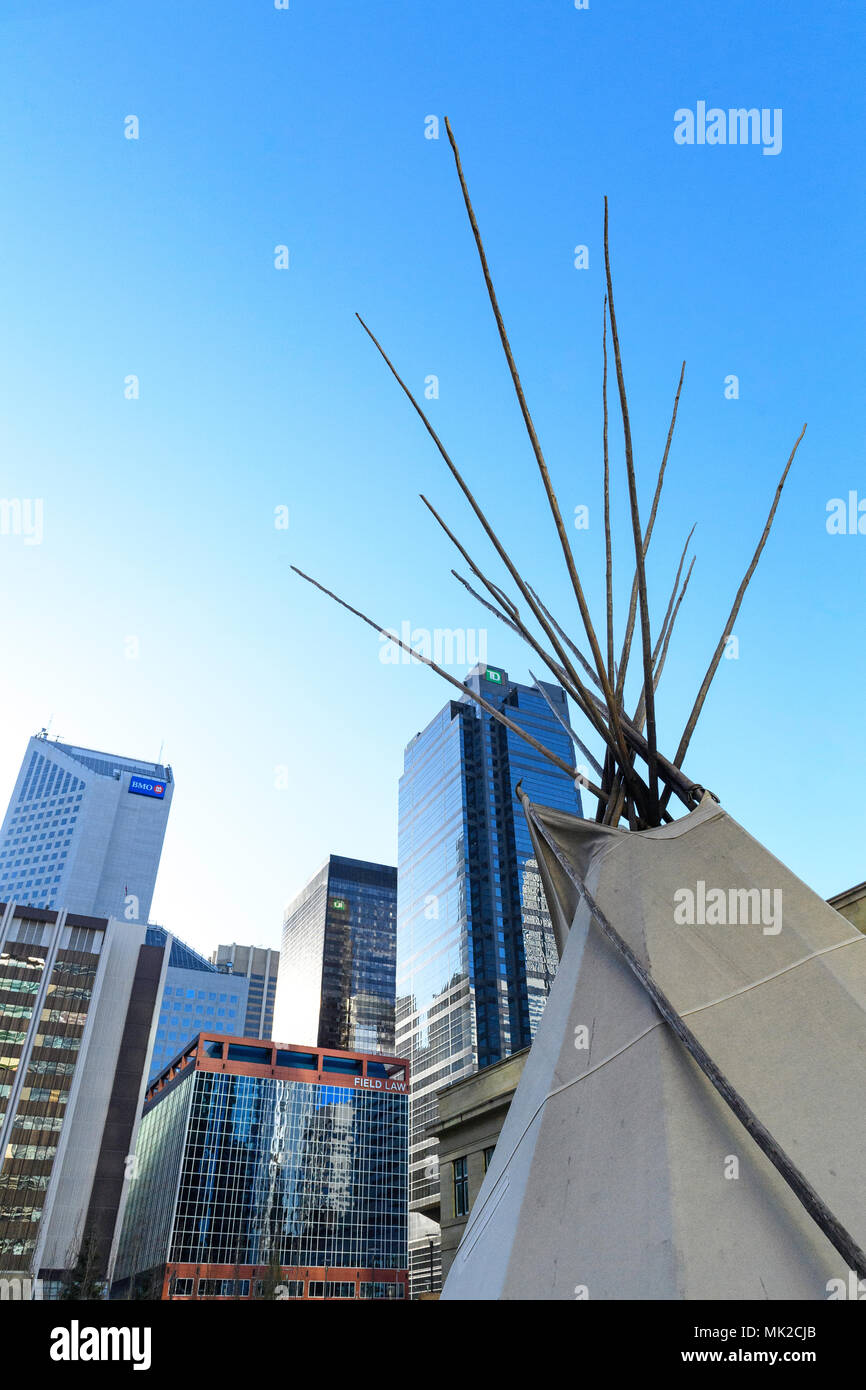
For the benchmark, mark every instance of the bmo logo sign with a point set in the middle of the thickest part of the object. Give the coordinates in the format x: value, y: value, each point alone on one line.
x: 144, y: 786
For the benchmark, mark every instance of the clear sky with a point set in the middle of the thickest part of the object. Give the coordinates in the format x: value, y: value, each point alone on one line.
x: 155, y: 257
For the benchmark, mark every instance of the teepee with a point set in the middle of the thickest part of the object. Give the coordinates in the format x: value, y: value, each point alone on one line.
x: 691, y: 1117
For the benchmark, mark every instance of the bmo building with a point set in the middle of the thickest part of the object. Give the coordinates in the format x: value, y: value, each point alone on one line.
x: 84, y: 831
x: 265, y: 1170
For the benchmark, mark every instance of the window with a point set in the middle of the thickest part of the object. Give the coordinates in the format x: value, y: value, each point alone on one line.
x: 301, y: 1061
x: 346, y: 1066
x: 461, y: 1187
x: 261, y: 1056
x: 488, y: 1155
x: 210, y: 1288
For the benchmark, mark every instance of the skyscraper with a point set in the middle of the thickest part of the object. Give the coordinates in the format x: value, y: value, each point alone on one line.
x: 84, y: 831
x: 337, y: 962
x: 255, y: 1156
x: 196, y: 995
x: 261, y: 966
x: 78, y: 997
x: 476, y: 954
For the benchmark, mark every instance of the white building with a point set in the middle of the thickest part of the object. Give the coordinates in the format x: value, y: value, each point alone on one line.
x: 84, y: 831
x: 78, y: 1010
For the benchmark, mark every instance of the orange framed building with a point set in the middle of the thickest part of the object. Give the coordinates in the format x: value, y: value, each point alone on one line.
x: 268, y: 1170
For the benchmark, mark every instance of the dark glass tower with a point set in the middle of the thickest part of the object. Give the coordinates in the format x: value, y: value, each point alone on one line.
x: 476, y: 953
x: 336, y: 979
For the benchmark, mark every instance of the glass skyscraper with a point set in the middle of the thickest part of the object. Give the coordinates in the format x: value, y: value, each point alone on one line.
x: 262, y: 1160
x: 336, y: 980
x: 476, y: 953
x: 84, y: 831
x: 196, y: 995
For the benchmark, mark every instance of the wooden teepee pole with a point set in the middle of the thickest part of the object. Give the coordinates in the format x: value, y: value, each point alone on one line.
x: 612, y: 702
x: 717, y: 655
x: 646, y: 640
x: 608, y: 546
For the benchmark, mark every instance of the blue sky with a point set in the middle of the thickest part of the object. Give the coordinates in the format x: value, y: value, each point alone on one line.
x: 306, y: 127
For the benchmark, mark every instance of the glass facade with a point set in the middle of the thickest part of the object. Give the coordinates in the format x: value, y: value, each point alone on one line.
x: 45, y: 995
x: 196, y: 996
x: 476, y: 954
x: 38, y: 832
x: 237, y: 1173
x: 338, y: 958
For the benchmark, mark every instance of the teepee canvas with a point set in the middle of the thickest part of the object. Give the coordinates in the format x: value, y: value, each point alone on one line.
x: 620, y: 1171
x: 692, y: 1115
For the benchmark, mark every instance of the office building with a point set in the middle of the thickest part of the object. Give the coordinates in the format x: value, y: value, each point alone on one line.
x: 852, y: 904
x: 260, y: 966
x: 260, y: 1161
x: 84, y: 831
x: 338, y: 958
x: 471, y: 1113
x: 78, y: 998
x: 476, y: 953
x: 196, y: 995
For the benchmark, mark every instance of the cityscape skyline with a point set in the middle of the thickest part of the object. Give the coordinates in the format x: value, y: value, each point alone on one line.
x: 160, y: 582
x: 433, y: 461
